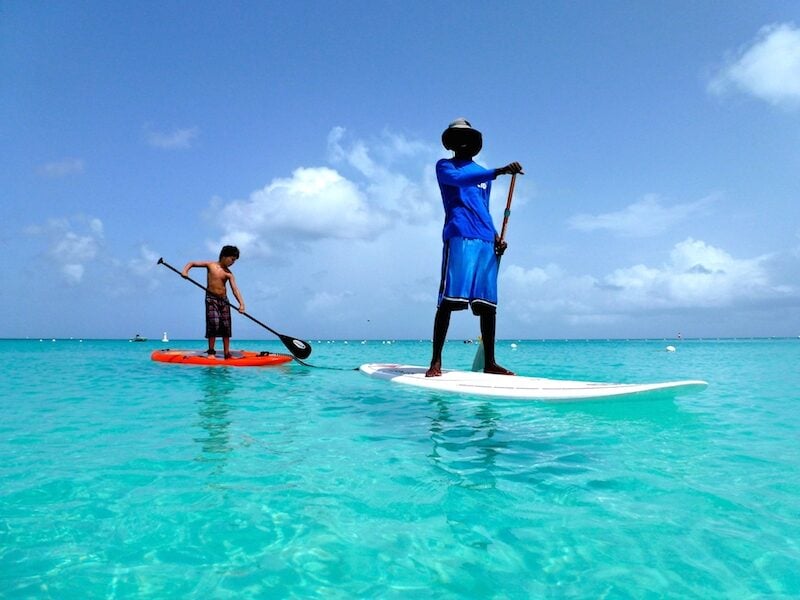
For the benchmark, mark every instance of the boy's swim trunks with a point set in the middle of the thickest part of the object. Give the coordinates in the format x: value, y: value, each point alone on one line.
x: 218, y: 316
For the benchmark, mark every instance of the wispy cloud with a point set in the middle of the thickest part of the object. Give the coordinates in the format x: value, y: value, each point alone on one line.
x: 145, y: 263
x: 645, y: 218
x: 72, y: 244
x: 767, y: 68
x: 172, y: 140
x: 62, y: 168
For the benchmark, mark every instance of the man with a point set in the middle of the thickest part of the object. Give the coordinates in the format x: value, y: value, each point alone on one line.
x: 472, y: 246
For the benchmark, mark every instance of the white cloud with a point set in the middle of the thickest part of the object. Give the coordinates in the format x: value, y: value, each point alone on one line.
x: 645, y: 218
x: 71, y: 247
x: 62, y: 168
x: 697, y: 275
x: 72, y: 244
x: 96, y: 227
x: 171, y: 140
x: 318, y: 203
x: 315, y: 203
x: 768, y: 68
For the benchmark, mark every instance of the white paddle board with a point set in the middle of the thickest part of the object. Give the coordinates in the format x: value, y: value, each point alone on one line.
x: 521, y: 388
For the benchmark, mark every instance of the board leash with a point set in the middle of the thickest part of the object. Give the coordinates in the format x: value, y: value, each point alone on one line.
x: 305, y: 364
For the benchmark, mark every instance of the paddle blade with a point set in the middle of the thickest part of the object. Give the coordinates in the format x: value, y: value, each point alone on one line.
x: 480, y: 360
x: 298, y: 348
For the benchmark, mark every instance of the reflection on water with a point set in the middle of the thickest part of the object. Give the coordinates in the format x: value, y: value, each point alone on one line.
x: 213, y: 412
x: 466, y: 449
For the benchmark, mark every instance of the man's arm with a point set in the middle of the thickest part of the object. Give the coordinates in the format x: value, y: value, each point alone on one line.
x: 449, y: 174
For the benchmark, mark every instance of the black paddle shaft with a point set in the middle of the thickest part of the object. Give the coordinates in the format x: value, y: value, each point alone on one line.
x: 298, y: 348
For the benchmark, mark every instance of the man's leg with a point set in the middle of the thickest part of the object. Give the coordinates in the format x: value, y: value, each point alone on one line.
x: 440, y: 325
x: 488, y: 327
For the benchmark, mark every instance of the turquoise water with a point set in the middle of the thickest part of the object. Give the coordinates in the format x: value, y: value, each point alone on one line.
x: 125, y: 478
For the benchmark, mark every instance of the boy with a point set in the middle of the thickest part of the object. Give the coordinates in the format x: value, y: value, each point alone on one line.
x: 471, y: 243
x: 218, y: 310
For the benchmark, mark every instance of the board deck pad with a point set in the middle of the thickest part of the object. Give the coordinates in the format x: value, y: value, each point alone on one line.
x: 520, y: 387
x: 239, y: 358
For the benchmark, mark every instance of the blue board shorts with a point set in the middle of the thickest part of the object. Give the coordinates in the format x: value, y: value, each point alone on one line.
x: 469, y: 275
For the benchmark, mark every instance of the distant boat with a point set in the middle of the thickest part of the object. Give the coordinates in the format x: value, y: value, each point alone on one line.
x: 165, y: 338
x: 138, y: 338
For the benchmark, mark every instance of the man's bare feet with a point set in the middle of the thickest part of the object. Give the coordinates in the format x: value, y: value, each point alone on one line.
x: 496, y: 370
x: 435, y: 370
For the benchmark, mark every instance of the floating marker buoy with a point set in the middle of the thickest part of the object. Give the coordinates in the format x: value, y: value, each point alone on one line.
x: 670, y: 348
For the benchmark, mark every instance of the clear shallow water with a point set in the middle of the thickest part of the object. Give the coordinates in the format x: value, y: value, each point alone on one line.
x: 120, y: 477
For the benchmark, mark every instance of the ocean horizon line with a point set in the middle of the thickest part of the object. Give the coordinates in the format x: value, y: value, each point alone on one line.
x: 393, y: 340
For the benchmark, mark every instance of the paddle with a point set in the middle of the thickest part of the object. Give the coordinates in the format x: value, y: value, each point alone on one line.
x: 507, y: 212
x: 479, y: 361
x: 298, y: 348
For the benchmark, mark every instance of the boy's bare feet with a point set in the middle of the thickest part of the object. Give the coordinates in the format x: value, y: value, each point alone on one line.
x: 435, y: 370
x: 496, y: 370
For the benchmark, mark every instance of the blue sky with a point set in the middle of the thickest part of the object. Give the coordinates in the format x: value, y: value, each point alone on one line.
x: 660, y: 140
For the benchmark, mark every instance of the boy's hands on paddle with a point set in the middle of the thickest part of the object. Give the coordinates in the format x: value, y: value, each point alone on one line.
x: 500, y: 246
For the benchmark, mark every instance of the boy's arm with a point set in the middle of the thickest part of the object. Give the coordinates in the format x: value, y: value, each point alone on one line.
x: 193, y: 264
x: 236, y: 293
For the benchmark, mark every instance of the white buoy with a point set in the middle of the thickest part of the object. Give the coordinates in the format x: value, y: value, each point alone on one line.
x: 514, y: 346
x: 670, y: 348
x: 165, y: 338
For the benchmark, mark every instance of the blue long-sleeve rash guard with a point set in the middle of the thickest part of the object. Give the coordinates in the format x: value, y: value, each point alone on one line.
x: 465, y: 188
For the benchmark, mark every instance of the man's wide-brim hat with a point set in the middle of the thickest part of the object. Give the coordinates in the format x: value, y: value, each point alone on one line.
x: 460, y: 133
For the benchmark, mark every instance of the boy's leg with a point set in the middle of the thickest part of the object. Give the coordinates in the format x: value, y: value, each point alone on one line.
x: 211, y: 343
x: 440, y: 325
x: 226, y: 346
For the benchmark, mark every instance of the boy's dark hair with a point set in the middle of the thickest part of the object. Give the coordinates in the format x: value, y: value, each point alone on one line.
x: 229, y: 251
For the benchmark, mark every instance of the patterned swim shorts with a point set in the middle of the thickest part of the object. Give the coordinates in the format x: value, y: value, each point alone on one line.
x: 218, y: 316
